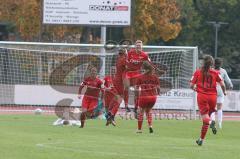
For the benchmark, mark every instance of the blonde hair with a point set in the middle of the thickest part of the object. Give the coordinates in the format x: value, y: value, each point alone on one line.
x: 138, y: 41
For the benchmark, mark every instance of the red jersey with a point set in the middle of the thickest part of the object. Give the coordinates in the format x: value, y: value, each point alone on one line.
x: 120, y: 66
x: 120, y: 69
x: 108, y: 81
x: 93, y: 86
x: 208, y: 84
x: 134, y: 60
x: 149, y: 85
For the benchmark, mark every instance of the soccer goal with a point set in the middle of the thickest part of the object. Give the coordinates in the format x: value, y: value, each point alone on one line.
x: 49, y: 74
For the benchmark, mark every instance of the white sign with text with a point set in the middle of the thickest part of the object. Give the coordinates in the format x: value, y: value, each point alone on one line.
x: 87, y: 12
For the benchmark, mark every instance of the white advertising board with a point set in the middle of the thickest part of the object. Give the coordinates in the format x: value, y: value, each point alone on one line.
x: 46, y: 95
x: 232, y: 101
x: 181, y: 99
x: 175, y: 99
x: 42, y: 95
x: 87, y: 12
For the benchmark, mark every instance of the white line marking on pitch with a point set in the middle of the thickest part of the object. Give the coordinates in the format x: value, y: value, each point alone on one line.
x: 50, y: 146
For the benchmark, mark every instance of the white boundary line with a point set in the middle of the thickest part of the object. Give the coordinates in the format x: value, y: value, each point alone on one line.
x: 51, y: 146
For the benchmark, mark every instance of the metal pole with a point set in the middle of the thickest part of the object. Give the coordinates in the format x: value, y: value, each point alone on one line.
x: 217, y: 26
x: 216, y: 41
x: 195, y: 65
x: 103, y: 56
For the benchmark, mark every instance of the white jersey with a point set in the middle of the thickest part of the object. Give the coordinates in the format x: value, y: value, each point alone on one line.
x: 227, y: 81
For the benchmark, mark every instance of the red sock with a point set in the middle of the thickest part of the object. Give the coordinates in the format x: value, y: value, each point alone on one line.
x: 136, y: 103
x: 205, y: 127
x: 204, y: 130
x: 115, y: 106
x: 140, y: 120
x: 149, y: 118
x: 126, y: 97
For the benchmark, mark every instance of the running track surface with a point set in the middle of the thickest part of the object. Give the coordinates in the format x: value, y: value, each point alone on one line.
x: 232, y: 116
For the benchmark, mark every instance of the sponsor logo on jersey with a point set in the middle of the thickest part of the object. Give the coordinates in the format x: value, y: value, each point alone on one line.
x: 134, y: 61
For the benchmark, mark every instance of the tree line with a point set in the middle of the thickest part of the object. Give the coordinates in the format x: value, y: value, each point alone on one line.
x: 156, y: 22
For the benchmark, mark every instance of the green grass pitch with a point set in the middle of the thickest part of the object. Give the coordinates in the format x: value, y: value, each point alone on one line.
x: 33, y: 137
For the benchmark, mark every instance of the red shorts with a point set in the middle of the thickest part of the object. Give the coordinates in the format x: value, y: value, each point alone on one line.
x: 132, y: 76
x: 146, y: 101
x: 89, y: 103
x: 118, y: 85
x: 109, y: 95
x: 110, y: 99
x: 206, y: 103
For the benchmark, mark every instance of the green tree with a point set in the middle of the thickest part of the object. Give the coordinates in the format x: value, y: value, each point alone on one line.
x: 196, y: 32
x: 204, y: 34
x: 25, y: 14
x: 154, y: 19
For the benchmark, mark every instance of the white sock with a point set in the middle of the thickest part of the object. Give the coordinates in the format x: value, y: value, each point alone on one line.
x: 220, y: 116
x: 213, y: 116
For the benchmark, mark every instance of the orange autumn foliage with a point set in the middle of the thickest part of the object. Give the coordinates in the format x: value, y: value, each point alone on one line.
x: 154, y: 19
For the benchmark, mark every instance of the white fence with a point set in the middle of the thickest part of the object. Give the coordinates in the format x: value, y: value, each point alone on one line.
x: 179, y: 99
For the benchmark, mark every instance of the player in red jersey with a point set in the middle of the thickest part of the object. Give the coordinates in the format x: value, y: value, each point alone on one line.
x: 147, y: 87
x: 108, y: 85
x: 134, y: 61
x: 114, y: 95
x: 109, y: 92
x: 108, y: 80
x: 204, y: 81
x: 112, y: 102
x: 120, y: 72
x: 93, y: 87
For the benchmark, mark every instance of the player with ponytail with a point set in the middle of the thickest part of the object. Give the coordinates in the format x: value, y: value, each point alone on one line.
x: 204, y: 82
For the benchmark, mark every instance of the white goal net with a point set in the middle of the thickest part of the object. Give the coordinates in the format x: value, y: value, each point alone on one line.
x: 43, y: 74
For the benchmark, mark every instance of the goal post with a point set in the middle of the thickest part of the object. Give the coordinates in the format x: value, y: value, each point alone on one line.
x: 43, y: 74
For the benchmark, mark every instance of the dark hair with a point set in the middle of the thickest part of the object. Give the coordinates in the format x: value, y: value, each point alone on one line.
x: 207, y: 63
x: 122, y: 51
x: 218, y: 63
